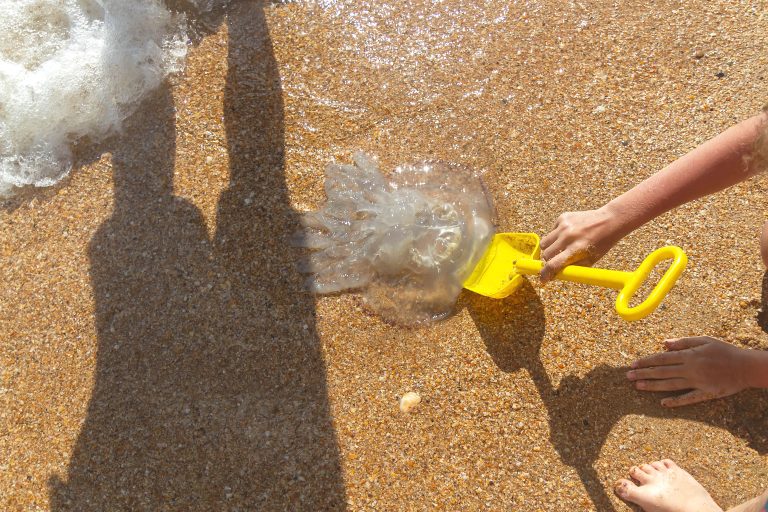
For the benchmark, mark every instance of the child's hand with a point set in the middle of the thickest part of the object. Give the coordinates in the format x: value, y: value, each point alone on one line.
x: 579, y: 238
x: 708, y: 367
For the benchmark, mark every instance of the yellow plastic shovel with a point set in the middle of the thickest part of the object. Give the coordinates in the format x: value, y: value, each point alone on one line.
x: 499, y: 273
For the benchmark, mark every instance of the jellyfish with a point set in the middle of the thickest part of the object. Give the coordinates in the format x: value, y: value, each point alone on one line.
x: 407, y: 243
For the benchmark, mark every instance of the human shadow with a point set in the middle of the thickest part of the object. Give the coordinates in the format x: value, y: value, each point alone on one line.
x: 209, y: 390
x: 583, y: 410
x: 271, y: 312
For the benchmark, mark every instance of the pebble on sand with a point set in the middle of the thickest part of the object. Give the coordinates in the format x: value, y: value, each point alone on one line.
x: 409, y: 401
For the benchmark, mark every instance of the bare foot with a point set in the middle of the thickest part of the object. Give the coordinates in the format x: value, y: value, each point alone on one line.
x: 764, y: 244
x: 707, y: 367
x: 665, y: 487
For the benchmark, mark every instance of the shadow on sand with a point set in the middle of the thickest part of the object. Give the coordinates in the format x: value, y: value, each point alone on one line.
x: 583, y: 411
x: 210, y: 389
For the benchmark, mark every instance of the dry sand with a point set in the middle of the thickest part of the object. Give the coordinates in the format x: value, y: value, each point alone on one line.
x: 157, y: 352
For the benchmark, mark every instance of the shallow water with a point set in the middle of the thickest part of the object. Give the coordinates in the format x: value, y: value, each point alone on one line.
x: 408, y: 243
x: 73, y: 70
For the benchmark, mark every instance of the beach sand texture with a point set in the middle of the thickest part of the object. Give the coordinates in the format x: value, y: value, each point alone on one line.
x: 157, y: 352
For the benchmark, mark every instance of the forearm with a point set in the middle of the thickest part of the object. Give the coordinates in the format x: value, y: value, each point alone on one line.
x: 713, y: 166
x: 754, y: 505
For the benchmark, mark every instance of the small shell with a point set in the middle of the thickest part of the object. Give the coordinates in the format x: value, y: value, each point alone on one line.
x: 409, y: 401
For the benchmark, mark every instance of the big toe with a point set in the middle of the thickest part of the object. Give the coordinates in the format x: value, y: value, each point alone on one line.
x: 626, y: 490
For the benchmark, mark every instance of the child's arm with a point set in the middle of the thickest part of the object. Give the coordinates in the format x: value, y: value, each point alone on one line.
x: 584, y: 237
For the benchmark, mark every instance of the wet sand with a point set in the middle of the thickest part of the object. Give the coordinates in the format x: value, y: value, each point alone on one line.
x: 157, y: 350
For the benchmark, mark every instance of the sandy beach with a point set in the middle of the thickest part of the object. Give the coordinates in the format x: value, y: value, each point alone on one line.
x: 158, y: 352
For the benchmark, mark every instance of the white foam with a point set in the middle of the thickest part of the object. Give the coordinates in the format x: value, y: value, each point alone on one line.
x: 73, y: 69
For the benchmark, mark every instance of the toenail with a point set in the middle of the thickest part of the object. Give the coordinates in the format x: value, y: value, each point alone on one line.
x: 630, y: 374
x: 640, y: 384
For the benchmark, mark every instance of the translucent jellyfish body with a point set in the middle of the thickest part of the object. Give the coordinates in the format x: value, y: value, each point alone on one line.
x: 407, y: 243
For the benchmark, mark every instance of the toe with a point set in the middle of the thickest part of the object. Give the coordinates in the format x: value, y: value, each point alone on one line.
x: 669, y: 464
x: 625, y: 490
x: 638, y: 474
x: 659, y: 465
x: 648, y: 469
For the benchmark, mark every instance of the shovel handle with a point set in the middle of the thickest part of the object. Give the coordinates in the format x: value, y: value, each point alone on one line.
x: 638, y: 277
x: 626, y: 282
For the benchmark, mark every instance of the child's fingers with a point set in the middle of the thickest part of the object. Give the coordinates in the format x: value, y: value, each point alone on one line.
x: 692, y: 397
x: 557, y: 247
x: 553, y: 266
x: 656, y: 372
x: 550, y: 238
x: 683, y: 343
x: 660, y: 359
x: 663, y: 385
x: 562, y: 260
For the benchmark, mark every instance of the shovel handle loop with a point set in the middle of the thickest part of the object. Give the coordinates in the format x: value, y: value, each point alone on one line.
x: 638, y: 277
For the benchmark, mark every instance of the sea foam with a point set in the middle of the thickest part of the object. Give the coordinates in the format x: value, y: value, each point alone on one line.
x: 408, y: 242
x: 74, y: 70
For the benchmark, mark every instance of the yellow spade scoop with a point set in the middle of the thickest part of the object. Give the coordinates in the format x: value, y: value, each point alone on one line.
x: 499, y: 273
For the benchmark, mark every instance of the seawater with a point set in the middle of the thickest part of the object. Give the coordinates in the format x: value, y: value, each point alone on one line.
x: 73, y: 70
x: 407, y: 243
